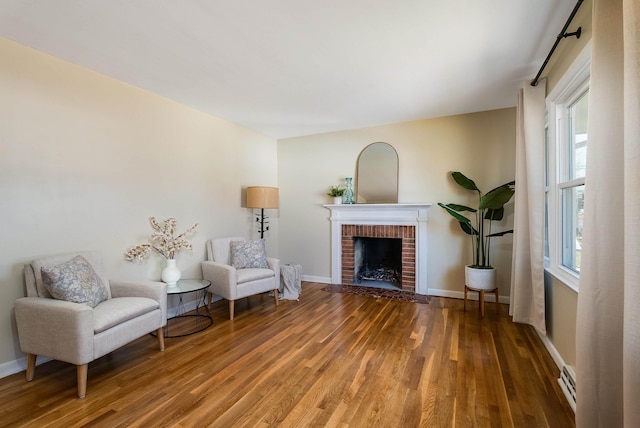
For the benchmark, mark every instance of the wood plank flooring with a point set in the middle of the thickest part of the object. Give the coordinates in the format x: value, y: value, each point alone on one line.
x: 331, y: 359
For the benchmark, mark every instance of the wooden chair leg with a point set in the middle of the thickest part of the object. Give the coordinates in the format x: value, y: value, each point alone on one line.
x: 231, y: 305
x: 275, y: 296
x: 481, y: 303
x: 31, y: 366
x: 464, y: 307
x: 160, y: 334
x: 209, y: 298
x: 82, y: 371
x: 497, y: 301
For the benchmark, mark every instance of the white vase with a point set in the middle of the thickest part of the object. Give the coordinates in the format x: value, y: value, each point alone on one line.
x: 337, y: 200
x: 480, y: 279
x: 171, y: 274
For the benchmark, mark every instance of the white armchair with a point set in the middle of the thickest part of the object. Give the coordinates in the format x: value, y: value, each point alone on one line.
x: 231, y: 283
x: 78, y: 333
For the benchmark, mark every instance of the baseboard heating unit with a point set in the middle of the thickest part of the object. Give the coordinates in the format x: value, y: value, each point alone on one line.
x: 567, y: 383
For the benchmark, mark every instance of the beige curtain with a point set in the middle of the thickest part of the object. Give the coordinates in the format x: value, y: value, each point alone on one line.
x: 527, y: 263
x: 608, y: 325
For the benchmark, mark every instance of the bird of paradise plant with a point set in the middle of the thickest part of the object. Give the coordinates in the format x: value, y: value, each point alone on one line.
x: 490, y: 208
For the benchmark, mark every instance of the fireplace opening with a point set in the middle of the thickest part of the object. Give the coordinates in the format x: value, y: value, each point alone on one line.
x: 378, y: 262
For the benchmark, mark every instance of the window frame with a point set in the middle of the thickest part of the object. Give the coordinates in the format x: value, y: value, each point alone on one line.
x: 567, y: 91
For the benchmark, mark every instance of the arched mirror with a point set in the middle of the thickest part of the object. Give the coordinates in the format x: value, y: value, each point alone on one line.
x: 377, y: 175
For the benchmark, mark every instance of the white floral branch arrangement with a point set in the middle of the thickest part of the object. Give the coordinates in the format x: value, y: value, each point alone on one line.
x: 161, y: 241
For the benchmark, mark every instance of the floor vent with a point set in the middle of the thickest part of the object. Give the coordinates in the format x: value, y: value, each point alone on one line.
x: 567, y: 382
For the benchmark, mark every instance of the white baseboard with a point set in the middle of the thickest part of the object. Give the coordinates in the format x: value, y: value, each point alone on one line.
x: 560, y: 363
x: 552, y: 351
x: 489, y: 297
x: 320, y: 279
x: 16, y: 366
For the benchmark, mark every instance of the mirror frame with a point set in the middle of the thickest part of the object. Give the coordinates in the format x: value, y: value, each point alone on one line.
x: 392, y: 162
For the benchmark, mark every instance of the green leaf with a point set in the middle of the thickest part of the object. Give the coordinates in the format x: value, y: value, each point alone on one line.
x: 463, y: 181
x: 454, y: 214
x: 468, y: 229
x: 510, y: 184
x: 496, y: 198
x: 506, y: 232
x: 459, y: 208
x: 496, y: 215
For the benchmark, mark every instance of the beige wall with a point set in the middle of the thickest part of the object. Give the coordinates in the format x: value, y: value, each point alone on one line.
x: 85, y: 160
x: 561, y: 309
x: 481, y: 145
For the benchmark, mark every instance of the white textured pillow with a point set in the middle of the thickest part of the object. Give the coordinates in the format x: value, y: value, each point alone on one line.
x: 248, y: 254
x: 74, y: 281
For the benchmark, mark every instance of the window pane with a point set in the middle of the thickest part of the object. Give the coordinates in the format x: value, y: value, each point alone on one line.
x: 546, y: 224
x: 572, y: 217
x: 578, y: 112
x: 546, y: 154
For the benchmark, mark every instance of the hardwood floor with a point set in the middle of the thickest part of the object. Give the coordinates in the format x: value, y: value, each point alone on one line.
x: 328, y: 360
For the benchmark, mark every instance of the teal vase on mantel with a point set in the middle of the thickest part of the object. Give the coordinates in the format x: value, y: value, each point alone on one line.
x: 348, y: 193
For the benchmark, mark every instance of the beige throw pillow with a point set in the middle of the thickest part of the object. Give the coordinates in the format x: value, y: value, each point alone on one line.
x: 75, y: 281
x: 248, y: 254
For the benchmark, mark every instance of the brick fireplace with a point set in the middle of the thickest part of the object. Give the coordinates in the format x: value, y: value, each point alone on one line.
x: 408, y: 250
x: 407, y: 222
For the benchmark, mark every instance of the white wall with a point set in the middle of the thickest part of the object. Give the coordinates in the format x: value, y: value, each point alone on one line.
x: 85, y: 160
x: 481, y: 145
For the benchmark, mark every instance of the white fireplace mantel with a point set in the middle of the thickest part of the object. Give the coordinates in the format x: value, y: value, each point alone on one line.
x: 380, y: 214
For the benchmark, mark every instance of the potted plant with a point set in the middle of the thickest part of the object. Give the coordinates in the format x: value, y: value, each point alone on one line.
x: 336, y: 193
x: 480, y: 274
x: 164, y: 242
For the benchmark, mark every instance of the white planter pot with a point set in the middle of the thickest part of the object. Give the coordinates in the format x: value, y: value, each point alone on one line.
x: 480, y: 279
x: 337, y: 200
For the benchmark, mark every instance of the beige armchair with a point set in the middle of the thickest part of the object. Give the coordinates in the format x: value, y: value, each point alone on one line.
x: 233, y: 283
x: 78, y: 333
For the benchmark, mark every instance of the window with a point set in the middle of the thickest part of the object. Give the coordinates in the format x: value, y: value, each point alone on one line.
x: 571, y: 183
x: 566, y: 141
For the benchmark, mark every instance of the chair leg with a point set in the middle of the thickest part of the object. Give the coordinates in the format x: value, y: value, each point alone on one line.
x: 482, y: 303
x: 231, y: 305
x: 464, y: 305
x: 497, y: 301
x: 82, y: 370
x: 275, y: 296
x: 31, y: 366
x: 209, y: 298
x: 160, y: 334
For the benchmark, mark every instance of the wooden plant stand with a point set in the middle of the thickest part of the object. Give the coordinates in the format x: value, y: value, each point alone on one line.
x: 481, y: 298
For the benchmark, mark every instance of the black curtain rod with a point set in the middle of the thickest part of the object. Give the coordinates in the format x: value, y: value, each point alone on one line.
x: 563, y: 34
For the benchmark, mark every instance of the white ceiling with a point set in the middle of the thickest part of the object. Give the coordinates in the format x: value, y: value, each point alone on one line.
x: 298, y: 67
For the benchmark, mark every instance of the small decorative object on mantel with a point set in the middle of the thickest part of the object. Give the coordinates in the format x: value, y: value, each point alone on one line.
x: 163, y: 242
x: 336, y: 193
x: 348, y: 192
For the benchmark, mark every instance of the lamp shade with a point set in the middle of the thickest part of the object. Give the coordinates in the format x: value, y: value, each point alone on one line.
x: 262, y: 197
